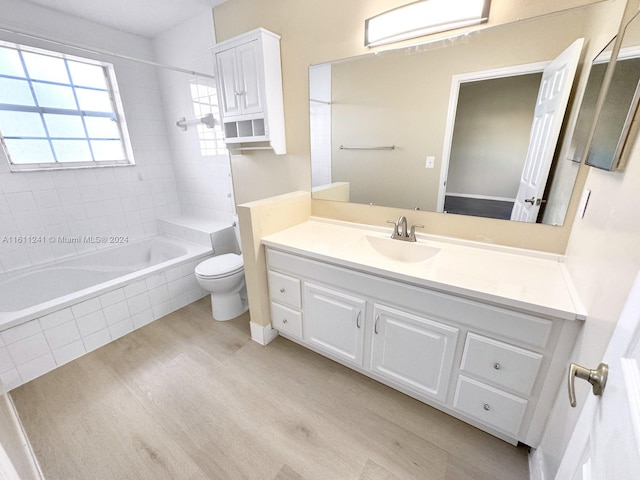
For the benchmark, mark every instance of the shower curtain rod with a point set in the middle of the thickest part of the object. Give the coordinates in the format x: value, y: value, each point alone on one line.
x: 102, y: 52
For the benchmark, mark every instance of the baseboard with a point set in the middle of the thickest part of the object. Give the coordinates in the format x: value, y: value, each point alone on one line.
x: 537, y: 462
x: 263, y: 334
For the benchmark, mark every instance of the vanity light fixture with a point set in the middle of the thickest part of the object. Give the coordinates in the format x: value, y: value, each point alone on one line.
x: 423, y: 18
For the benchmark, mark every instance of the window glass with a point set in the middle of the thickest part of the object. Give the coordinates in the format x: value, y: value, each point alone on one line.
x: 101, y: 127
x: 94, y: 100
x: 69, y: 126
x: 85, y: 75
x: 15, y: 92
x: 44, y: 67
x: 21, y: 124
x: 71, y: 150
x: 10, y: 62
x: 29, y: 151
x: 107, y: 150
x: 54, y: 96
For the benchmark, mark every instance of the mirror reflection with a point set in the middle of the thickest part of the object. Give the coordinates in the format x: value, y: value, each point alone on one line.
x: 443, y: 129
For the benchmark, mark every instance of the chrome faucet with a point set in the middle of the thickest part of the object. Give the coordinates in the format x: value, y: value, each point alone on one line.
x: 400, y: 230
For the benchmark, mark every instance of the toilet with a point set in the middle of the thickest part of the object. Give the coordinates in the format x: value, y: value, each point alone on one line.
x: 223, y: 277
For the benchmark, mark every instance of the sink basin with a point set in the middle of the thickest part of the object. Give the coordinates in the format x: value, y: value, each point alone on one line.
x: 402, y: 251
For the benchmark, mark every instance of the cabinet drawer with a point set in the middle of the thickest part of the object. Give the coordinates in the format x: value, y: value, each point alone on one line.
x: 284, y: 289
x: 489, y: 405
x: 286, y: 320
x: 501, y: 364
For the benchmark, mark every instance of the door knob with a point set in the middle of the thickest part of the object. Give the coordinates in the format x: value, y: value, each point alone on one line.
x: 597, y: 378
x: 531, y: 200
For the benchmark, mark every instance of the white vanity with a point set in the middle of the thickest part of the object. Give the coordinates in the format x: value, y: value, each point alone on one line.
x: 478, y: 331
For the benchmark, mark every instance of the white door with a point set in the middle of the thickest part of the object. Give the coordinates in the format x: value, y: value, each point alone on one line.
x: 228, y: 83
x: 412, y: 351
x: 249, y: 94
x: 334, y: 322
x: 605, y: 444
x: 551, y: 104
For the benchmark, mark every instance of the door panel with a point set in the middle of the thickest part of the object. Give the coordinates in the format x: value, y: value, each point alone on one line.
x: 413, y: 351
x: 248, y: 68
x: 228, y: 72
x: 553, y: 97
x: 334, y: 322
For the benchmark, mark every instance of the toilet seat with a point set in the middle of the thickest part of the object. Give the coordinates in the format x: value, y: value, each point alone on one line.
x: 220, y: 266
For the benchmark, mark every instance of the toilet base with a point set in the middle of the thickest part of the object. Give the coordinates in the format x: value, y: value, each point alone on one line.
x: 227, y: 307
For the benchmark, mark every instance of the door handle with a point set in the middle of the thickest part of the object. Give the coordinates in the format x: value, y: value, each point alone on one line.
x: 358, y: 319
x: 597, y: 378
x: 531, y: 200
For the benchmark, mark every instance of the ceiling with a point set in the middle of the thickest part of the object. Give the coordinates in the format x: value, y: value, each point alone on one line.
x: 146, y: 18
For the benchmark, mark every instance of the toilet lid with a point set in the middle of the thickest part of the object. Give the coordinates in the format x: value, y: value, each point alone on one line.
x: 221, y: 265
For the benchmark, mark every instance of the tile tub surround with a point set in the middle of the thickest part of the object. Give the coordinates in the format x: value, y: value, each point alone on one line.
x: 43, y: 344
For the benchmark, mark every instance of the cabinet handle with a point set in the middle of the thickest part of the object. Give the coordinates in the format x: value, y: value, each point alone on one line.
x: 497, y: 366
x: 487, y: 407
x: 284, y: 320
x: 282, y: 290
x: 375, y: 325
x: 358, y: 319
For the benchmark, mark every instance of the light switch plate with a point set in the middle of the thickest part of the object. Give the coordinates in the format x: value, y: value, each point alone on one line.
x: 430, y: 163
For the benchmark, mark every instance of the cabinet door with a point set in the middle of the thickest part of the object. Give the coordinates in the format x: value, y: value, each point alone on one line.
x: 228, y: 83
x: 334, y: 322
x: 250, y: 97
x: 413, y: 351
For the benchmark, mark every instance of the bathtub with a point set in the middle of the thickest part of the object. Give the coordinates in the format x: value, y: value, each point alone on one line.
x: 55, y: 312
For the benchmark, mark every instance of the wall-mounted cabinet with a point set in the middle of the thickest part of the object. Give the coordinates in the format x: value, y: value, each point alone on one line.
x: 249, y: 81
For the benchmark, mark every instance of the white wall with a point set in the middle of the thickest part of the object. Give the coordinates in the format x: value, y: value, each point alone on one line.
x: 204, y: 181
x: 98, y: 201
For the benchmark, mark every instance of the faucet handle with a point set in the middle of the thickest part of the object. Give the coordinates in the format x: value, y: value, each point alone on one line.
x: 417, y: 226
x: 395, y: 228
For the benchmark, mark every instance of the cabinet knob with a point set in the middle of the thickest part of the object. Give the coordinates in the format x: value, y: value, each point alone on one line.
x: 284, y: 320
x: 497, y: 366
x: 282, y: 290
x: 487, y: 407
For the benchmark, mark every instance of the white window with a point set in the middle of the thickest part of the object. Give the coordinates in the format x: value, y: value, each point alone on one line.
x: 59, y: 111
x: 205, y: 101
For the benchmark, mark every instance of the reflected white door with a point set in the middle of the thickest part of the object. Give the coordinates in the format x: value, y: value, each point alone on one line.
x: 551, y: 104
x: 605, y: 444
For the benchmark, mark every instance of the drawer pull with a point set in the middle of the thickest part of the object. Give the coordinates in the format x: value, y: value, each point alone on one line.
x: 497, y: 366
x: 284, y: 320
x: 487, y: 407
x: 358, y: 319
x: 375, y: 325
x: 282, y: 290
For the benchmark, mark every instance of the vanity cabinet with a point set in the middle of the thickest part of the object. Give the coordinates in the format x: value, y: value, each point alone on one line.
x: 496, y: 368
x: 249, y: 83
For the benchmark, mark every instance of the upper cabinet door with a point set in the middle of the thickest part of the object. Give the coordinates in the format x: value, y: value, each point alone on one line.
x: 248, y: 58
x: 228, y: 82
x: 334, y: 322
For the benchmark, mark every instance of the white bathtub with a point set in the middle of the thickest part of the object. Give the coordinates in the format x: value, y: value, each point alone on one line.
x: 58, y: 311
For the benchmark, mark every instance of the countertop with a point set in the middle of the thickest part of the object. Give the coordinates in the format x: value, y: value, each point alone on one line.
x: 527, y: 280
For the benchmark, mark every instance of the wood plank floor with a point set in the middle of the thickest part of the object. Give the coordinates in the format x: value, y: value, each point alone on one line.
x: 189, y: 398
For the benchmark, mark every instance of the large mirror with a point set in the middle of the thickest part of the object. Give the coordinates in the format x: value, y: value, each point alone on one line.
x: 446, y: 126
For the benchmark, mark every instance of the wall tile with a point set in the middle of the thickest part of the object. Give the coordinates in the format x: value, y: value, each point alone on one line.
x: 36, y: 367
x: 6, y: 363
x: 136, y: 288
x: 91, y: 323
x: 28, y: 349
x: 142, y: 318
x: 62, y: 335
x: 86, y: 307
x: 10, y: 379
x: 21, y: 332
x: 116, y: 313
x: 96, y: 340
x: 56, y: 318
x: 69, y: 352
x: 139, y: 303
x: 112, y: 297
x: 120, y: 329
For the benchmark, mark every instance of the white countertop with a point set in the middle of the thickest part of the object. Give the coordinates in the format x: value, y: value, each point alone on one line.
x: 523, y: 279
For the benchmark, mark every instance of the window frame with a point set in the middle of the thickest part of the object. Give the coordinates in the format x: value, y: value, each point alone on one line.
x: 117, y: 113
